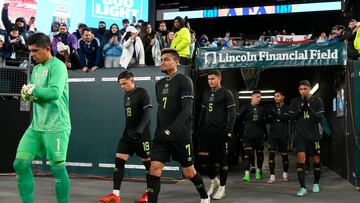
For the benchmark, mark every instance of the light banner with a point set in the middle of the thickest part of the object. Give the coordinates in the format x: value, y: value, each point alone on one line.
x: 300, y: 55
x: 89, y: 12
x: 256, y: 10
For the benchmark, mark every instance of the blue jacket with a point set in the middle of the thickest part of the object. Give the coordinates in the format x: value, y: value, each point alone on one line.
x: 111, y: 49
x: 89, y: 53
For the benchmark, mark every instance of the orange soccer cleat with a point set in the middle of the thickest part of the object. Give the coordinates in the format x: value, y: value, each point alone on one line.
x: 110, y: 198
x: 143, y: 198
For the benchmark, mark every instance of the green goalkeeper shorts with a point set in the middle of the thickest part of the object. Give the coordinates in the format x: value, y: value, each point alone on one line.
x: 54, y: 145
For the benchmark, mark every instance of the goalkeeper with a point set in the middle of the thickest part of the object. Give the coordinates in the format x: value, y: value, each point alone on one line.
x: 50, y: 128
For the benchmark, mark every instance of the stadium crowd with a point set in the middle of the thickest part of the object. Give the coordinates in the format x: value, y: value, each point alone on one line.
x: 138, y: 43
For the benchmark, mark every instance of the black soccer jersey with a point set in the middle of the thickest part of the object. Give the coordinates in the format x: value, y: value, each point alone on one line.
x: 254, y: 120
x: 135, y: 102
x: 307, y: 119
x: 216, y: 104
x: 171, y: 93
x: 278, y: 116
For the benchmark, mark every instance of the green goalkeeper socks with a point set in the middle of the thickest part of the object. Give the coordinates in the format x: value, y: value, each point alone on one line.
x: 62, y: 183
x: 25, y: 179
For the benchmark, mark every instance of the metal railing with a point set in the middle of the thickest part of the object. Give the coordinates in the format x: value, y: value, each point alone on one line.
x: 12, y: 78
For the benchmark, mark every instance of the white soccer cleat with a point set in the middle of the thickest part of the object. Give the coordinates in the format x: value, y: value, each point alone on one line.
x: 215, y: 183
x: 220, y: 193
x: 285, y: 177
x: 205, y: 200
x: 272, y: 179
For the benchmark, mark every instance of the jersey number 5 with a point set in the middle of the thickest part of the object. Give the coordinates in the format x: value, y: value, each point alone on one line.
x: 211, y: 107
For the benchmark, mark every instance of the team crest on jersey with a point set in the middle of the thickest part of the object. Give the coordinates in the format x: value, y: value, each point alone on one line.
x: 45, y: 73
x: 167, y: 85
x: 128, y: 101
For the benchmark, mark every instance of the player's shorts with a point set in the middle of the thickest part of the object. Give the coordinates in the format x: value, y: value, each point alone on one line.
x: 180, y: 151
x: 141, y: 147
x: 279, y: 144
x: 39, y: 143
x: 256, y: 143
x: 217, y: 148
x: 312, y: 148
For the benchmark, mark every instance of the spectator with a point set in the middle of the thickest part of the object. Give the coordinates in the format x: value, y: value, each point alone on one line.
x: 125, y: 24
x: 31, y: 25
x: 333, y: 37
x: 2, y: 49
x: 193, y: 43
x: 169, y: 38
x: 219, y: 42
x: 140, y: 22
x: 323, y: 38
x: 204, y: 41
x: 262, y: 40
x: 148, y: 37
x: 68, y: 56
x: 20, y: 22
x: 79, y: 32
x: 272, y: 40
x: 100, y: 33
x: 89, y: 51
x: 341, y: 32
x: 16, y: 47
x: 350, y: 34
x: 65, y: 37
x: 133, y: 50
x: 113, y: 49
x: 162, y: 32
x: 182, y: 40
x: 227, y: 37
x: 54, y: 30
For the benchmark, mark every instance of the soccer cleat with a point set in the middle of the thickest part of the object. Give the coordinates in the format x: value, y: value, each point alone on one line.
x: 110, y: 198
x: 207, y: 200
x: 246, y: 178
x: 316, y: 188
x: 285, y: 177
x: 302, y: 192
x: 258, y: 174
x: 272, y: 179
x: 220, y: 193
x: 215, y: 183
x: 143, y: 198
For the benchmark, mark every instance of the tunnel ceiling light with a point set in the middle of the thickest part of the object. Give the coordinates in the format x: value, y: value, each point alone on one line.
x: 262, y: 97
x: 315, y: 88
x: 262, y: 91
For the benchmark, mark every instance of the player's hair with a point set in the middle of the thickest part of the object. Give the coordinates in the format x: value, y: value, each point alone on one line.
x: 87, y: 29
x: 125, y: 74
x: 256, y: 92
x: 39, y: 39
x: 305, y: 82
x: 214, y: 72
x: 173, y: 53
x: 280, y: 92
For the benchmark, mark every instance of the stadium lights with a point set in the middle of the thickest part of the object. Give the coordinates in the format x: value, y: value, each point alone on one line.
x: 262, y: 97
x: 315, y: 88
x: 262, y: 91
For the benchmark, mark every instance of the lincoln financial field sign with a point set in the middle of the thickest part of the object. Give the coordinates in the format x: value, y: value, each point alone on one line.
x: 310, y: 54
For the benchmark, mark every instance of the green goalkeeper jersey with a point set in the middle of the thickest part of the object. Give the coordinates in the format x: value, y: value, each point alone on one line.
x: 51, y: 106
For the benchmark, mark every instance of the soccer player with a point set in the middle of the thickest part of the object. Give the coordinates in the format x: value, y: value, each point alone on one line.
x: 136, y: 136
x: 254, y: 116
x: 174, y: 95
x: 306, y: 111
x: 278, y: 116
x: 50, y: 128
x: 217, y: 119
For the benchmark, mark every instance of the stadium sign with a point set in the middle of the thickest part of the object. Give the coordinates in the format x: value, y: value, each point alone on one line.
x: 310, y: 54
